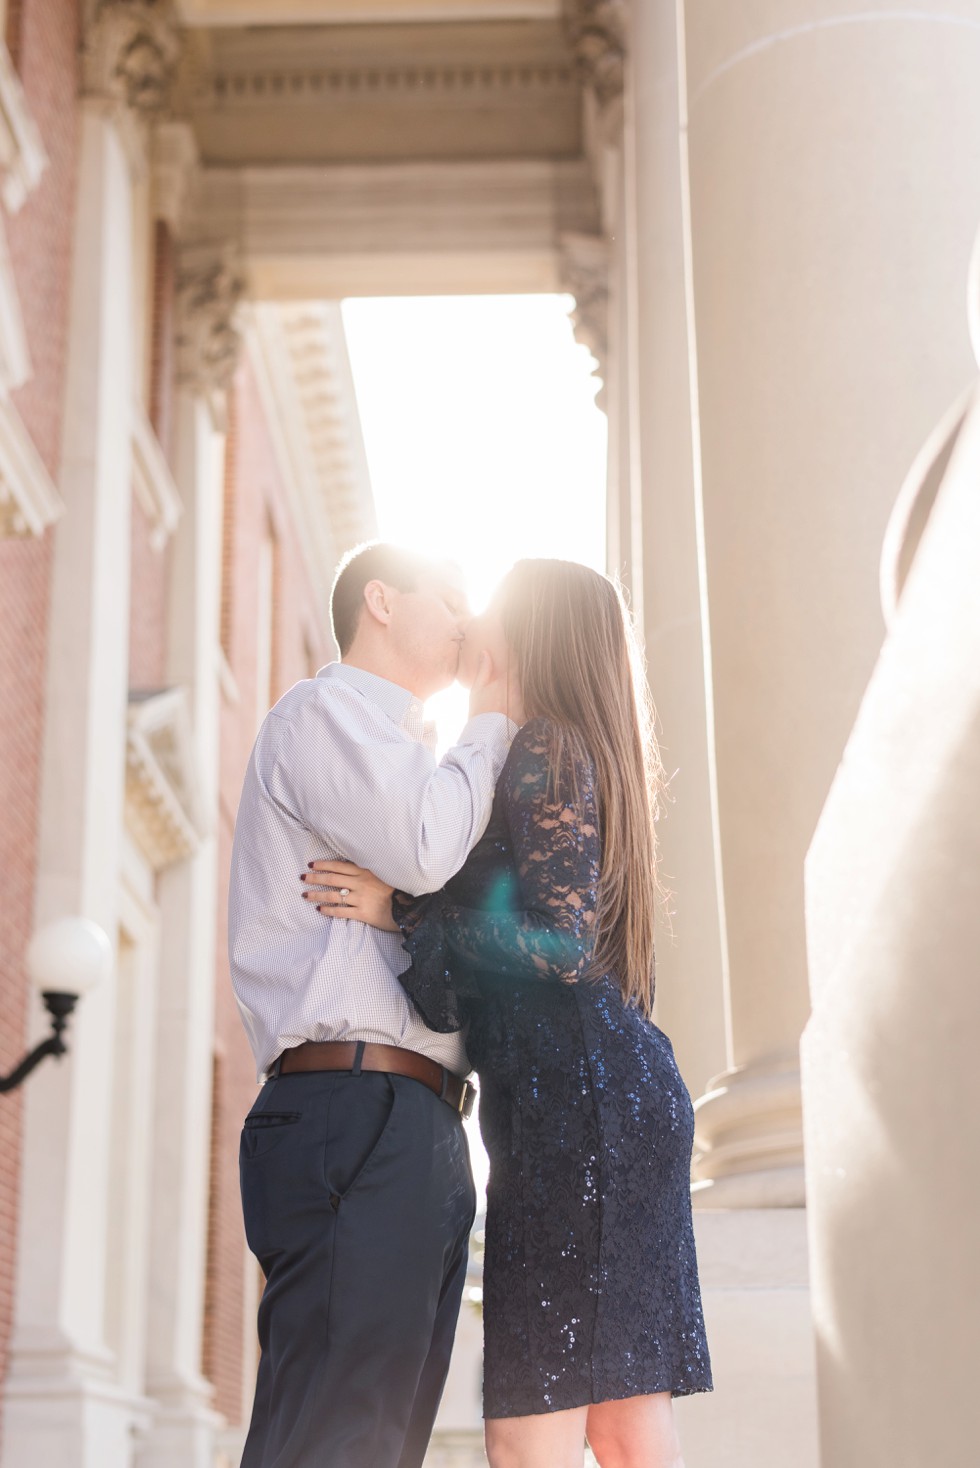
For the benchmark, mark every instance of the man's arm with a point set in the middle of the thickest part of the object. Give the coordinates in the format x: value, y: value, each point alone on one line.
x: 379, y: 799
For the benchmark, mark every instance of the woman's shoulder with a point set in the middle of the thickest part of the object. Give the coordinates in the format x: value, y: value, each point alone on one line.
x: 543, y: 755
x: 534, y: 734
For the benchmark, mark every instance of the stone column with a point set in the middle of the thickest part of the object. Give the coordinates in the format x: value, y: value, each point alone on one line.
x: 829, y: 236
x: 622, y: 545
x: 891, y: 1086
x: 752, y: 1262
x: 62, y: 1403
x: 690, y: 961
x: 184, y: 1423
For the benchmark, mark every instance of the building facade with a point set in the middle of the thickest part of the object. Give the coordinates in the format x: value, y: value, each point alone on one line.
x: 765, y: 214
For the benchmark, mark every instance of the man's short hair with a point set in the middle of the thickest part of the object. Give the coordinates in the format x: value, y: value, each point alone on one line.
x: 377, y: 560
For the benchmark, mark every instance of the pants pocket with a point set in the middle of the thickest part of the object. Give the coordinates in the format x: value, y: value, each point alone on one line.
x: 264, y: 1130
x: 360, y: 1117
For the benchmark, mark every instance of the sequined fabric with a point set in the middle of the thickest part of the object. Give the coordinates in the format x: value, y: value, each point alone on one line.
x: 590, y: 1286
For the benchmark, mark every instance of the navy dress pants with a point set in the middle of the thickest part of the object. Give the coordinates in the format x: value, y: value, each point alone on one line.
x: 358, y: 1202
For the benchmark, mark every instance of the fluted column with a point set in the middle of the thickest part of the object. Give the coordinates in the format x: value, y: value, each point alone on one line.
x: 829, y: 233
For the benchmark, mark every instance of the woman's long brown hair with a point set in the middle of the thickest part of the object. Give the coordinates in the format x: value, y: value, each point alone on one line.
x: 571, y: 637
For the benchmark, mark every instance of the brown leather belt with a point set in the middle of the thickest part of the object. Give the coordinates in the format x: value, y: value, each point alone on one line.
x: 342, y: 1055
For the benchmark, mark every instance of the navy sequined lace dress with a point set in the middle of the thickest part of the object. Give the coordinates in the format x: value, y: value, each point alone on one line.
x: 590, y: 1277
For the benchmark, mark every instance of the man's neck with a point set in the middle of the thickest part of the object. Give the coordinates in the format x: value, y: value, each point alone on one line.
x: 382, y: 667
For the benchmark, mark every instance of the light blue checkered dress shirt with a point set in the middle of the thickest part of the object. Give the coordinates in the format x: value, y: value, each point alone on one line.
x: 342, y: 767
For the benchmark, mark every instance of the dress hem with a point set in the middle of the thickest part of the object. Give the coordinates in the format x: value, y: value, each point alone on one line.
x: 591, y: 1399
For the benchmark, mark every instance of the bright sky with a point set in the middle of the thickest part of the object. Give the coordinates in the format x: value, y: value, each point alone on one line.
x: 483, y: 439
x: 482, y: 435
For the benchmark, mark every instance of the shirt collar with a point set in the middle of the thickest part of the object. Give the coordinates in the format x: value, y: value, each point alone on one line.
x: 401, y: 706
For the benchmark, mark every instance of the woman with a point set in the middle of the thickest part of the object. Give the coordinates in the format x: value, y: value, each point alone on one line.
x: 543, y: 944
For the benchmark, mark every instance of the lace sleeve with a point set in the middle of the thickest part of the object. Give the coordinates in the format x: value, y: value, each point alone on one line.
x: 437, y: 985
x: 557, y: 853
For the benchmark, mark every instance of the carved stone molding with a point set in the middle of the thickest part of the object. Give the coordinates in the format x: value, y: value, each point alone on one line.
x: 162, y: 801
x: 597, y: 30
x: 131, y: 52
x: 209, y: 290
x: 584, y: 266
x: 272, y: 89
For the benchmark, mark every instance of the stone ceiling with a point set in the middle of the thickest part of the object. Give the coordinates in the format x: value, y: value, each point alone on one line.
x: 432, y: 147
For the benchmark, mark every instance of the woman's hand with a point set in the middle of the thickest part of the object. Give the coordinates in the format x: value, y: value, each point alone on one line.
x: 339, y: 889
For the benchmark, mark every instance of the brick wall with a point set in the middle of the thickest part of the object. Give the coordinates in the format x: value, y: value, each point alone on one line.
x: 254, y: 502
x: 44, y: 34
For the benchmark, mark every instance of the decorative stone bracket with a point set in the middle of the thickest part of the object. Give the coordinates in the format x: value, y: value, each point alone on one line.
x: 131, y: 52
x: 584, y: 270
x: 162, y: 799
x: 22, y: 155
x: 597, y: 31
x: 209, y: 290
x: 29, y: 501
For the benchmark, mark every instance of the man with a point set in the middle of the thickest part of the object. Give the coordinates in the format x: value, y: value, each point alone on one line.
x: 356, y: 1186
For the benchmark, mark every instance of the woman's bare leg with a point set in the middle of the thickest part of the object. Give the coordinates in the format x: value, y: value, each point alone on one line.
x: 636, y: 1433
x: 548, y: 1440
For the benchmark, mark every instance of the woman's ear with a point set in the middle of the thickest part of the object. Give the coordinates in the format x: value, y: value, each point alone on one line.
x: 377, y: 600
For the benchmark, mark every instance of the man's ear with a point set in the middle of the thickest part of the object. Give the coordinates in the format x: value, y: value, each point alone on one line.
x: 377, y: 600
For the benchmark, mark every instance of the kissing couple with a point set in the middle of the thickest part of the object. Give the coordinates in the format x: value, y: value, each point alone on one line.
x: 493, y: 912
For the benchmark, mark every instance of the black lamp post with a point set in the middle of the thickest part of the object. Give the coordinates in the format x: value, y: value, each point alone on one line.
x: 65, y: 959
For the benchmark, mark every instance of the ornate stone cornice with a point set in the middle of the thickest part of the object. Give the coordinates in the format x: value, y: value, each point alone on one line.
x: 597, y: 31
x: 130, y: 53
x: 299, y: 356
x: 584, y: 267
x: 209, y: 290
x: 271, y: 89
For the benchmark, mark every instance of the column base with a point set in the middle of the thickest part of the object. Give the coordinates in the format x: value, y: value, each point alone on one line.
x: 229, y: 1444
x: 754, y: 1285
x: 62, y: 1407
x: 749, y: 1138
x: 778, y: 1187
x: 184, y: 1427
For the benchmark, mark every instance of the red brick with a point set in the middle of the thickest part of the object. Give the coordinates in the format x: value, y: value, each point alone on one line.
x: 43, y: 37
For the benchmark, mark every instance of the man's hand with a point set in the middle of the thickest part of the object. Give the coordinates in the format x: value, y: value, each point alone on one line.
x: 339, y: 889
x: 495, y: 693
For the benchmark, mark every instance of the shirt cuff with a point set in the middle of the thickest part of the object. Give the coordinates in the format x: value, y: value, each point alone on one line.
x: 493, y: 729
